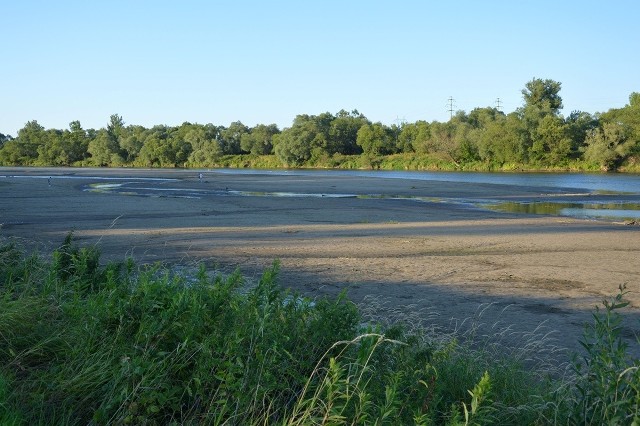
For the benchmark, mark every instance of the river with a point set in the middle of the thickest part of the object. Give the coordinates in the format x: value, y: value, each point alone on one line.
x: 582, y: 195
x: 585, y: 182
x: 594, y: 195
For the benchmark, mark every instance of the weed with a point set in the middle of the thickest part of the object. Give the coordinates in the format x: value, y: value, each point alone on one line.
x: 607, y: 388
x: 86, y: 343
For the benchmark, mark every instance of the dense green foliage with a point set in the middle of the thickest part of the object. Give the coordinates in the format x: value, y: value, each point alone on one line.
x: 535, y: 136
x: 85, y: 343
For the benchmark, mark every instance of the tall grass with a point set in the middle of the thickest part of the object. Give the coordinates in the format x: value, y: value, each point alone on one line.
x: 86, y: 343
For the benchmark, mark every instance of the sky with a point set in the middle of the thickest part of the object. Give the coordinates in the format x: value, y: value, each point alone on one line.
x: 264, y: 62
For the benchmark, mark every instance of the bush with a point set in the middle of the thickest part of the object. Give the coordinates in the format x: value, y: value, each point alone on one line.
x: 112, y: 344
x: 85, y: 343
x: 607, y: 388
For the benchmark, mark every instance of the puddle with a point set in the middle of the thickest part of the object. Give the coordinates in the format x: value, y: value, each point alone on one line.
x: 622, y: 211
x: 290, y: 194
x: 119, y: 188
x: 104, y: 187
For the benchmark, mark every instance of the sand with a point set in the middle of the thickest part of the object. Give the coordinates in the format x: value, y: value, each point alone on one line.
x: 440, y: 254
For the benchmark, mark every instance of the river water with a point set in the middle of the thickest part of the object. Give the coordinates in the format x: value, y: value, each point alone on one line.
x: 585, y: 182
x: 585, y: 188
x: 585, y: 195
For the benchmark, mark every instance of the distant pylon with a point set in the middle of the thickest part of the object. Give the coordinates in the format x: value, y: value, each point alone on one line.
x: 450, y: 105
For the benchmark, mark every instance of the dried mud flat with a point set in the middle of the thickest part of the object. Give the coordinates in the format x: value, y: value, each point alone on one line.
x: 416, y: 246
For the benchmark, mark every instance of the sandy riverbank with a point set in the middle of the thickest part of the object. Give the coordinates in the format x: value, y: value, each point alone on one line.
x: 437, y: 254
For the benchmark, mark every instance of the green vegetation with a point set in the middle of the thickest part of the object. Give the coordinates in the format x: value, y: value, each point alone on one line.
x: 85, y: 343
x: 534, y: 137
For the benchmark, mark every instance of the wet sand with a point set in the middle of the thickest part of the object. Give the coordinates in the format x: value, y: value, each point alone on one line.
x: 441, y: 254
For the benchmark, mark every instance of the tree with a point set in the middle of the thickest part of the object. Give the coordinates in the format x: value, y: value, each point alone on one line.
x: 607, y: 146
x: 501, y: 141
x: 63, y: 148
x: 23, y: 150
x: 541, y: 99
x: 376, y: 139
x: 440, y: 137
x: 165, y: 146
x: 343, y: 133
x: 206, y: 155
x: 156, y: 152
x: 451, y: 141
x: 4, y: 138
x: 104, y: 150
x: 231, y: 137
x: 543, y: 95
x: 196, y: 137
x: 480, y: 118
x: 115, y: 127
x: 131, y: 143
x: 76, y: 142
x: 306, y: 138
x: 259, y: 140
x: 105, y: 147
x: 414, y: 137
x: 579, y: 124
x: 618, y: 137
x: 464, y: 148
x: 294, y: 145
x: 181, y: 150
x: 205, y: 146
x: 631, y: 118
x: 551, y: 144
x: 628, y: 117
x: 51, y: 151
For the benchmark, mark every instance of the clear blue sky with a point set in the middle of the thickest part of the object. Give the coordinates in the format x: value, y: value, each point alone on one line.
x: 166, y: 62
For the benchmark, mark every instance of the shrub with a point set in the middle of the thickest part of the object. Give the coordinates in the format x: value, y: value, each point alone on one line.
x: 607, y: 387
x: 85, y: 343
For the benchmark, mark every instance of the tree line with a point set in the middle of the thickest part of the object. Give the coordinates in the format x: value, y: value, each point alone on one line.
x: 535, y: 136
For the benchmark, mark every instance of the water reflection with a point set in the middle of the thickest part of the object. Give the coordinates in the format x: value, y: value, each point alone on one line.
x: 612, y: 210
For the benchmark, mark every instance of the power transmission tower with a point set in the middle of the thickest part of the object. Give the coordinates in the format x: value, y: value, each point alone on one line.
x: 451, y: 106
x: 498, y: 104
x: 400, y: 122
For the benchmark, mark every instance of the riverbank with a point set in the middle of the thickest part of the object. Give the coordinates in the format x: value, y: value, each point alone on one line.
x: 133, y: 344
x: 519, y: 271
x: 415, y: 162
